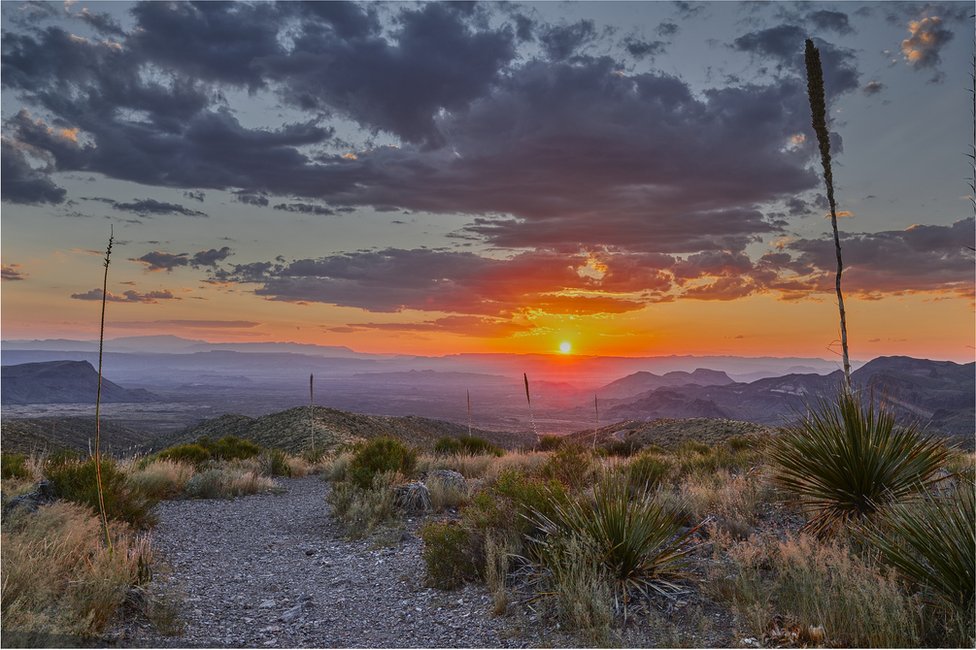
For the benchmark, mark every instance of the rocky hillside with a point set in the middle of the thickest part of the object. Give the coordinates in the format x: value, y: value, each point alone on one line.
x: 66, y: 433
x: 671, y: 432
x: 293, y: 430
x: 937, y: 394
x: 62, y: 382
x: 642, y: 382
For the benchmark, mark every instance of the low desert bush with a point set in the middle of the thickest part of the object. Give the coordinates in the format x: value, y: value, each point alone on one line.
x: 162, y: 479
x: 446, y: 494
x: 14, y: 466
x: 378, y: 456
x: 193, y: 454
x: 529, y: 463
x: 468, y: 466
x: 230, y: 448
x: 360, y: 511
x: 845, y: 460
x: 731, y: 501
x: 337, y: 467
x: 571, y: 465
x: 298, y: 466
x: 637, y: 543
x: 59, y: 579
x: 227, y: 482
x: 579, y: 586
x: 805, y: 588
x: 449, y: 553
x: 647, y: 471
x: 549, y: 443
x: 625, y: 448
x: 932, y: 542
x: 75, y: 481
x: 274, y: 462
x: 470, y: 445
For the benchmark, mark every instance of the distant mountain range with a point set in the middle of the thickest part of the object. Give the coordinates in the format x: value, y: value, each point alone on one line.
x: 62, y: 382
x: 643, y: 382
x: 939, y: 394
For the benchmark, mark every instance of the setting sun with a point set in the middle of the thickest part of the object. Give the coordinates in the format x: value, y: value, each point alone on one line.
x: 565, y: 347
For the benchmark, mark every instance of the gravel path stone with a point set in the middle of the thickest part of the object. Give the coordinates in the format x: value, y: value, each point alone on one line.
x: 272, y: 570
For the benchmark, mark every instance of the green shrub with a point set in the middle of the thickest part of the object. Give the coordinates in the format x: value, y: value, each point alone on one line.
x: 549, y: 443
x: 14, y: 466
x: 847, y: 459
x: 193, y: 454
x: 447, y: 447
x: 625, y: 448
x: 360, y: 511
x: 637, y: 542
x: 274, y: 462
x: 647, y: 471
x: 741, y: 443
x: 224, y: 483
x: 378, y: 456
x: 470, y: 445
x: 448, y: 554
x: 571, y: 465
x: 233, y: 448
x: 75, y: 481
x: 932, y: 542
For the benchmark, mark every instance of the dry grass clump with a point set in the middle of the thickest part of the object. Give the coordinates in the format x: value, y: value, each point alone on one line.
x: 298, y: 466
x: 798, y: 589
x: 526, y: 462
x: 361, y: 511
x: 731, y: 501
x: 162, y: 479
x: 336, y: 467
x: 446, y: 494
x: 228, y: 482
x: 471, y: 467
x: 58, y: 576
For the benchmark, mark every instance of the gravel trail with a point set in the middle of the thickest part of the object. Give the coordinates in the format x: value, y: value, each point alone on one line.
x: 272, y: 570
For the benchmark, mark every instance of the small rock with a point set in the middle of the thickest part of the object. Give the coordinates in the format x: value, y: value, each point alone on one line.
x: 267, y: 604
x: 291, y: 614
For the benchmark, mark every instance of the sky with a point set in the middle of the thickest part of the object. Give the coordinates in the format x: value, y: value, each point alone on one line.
x: 632, y: 179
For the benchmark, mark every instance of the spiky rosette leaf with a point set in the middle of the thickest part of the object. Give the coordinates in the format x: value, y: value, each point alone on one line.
x: 846, y: 459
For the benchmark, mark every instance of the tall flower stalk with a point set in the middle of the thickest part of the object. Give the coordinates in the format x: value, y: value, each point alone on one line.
x: 818, y: 109
x: 98, y: 398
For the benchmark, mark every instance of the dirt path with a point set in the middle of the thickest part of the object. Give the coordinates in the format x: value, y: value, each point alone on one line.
x: 272, y: 571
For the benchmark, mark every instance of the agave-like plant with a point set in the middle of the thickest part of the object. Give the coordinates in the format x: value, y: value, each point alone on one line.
x: 636, y: 542
x: 846, y: 459
x: 932, y: 542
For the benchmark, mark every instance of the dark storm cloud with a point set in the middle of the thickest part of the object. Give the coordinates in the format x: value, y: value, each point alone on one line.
x: 435, y: 59
x: 161, y: 261
x: 150, y: 297
x: 826, y: 19
x: 560, y: 42
x: 305, y: 208
x: 21, y: 183
x: 101, y: 22
x: 641, y: 49
x: 464, y: 325
x: 539, y: 153
x: 689, y: 9
x: 395, y: 279
x: 210, y: 257
x: 251, y: 198
x: 146, y: 207
x: 668, y: 30
x: 785, y: 44
x: 919, y: 258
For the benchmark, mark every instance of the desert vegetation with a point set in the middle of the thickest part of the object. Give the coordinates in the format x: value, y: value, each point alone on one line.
x: 845, y: 530
x: 61, y: 580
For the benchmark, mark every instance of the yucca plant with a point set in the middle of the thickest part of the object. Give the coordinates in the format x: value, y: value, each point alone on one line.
x: 844, y: 460
x: 637, y: 543
x: 932, y: 542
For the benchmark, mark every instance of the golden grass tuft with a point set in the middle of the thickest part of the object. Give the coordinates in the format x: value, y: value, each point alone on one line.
x: 58, y: 576
x: 162, y: 479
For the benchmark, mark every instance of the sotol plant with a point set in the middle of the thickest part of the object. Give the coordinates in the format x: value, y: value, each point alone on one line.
x: 818, y: 108
x: 845, y: 460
